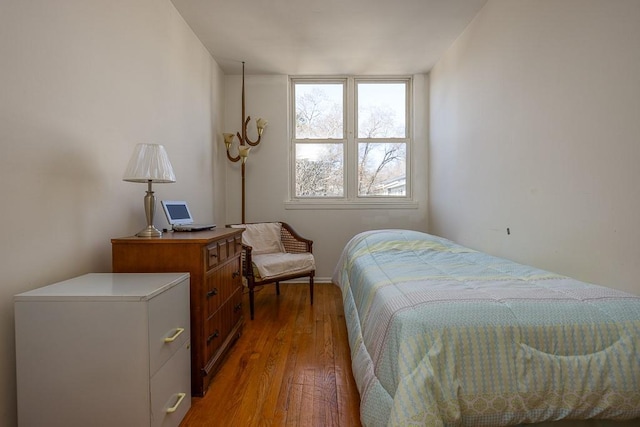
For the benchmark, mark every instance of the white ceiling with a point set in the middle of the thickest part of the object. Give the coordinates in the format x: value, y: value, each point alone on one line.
x: 327, y: 37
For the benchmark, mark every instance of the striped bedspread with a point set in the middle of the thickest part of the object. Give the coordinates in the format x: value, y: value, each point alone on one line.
x: 445, y: 335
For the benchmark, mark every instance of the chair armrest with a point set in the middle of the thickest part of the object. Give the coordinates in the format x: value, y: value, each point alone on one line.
x: 247, y: 265
x: 293, y: 242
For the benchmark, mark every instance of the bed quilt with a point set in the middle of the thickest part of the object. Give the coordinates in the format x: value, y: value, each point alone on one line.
x: 444, y: 335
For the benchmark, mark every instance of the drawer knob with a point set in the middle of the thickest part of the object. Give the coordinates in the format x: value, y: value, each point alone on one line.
x: 173, y: 409
x: 212, y: 336
x: 235, y: 274
x: 175, y: 335
x: 212, y: 292
x: 237, y: 307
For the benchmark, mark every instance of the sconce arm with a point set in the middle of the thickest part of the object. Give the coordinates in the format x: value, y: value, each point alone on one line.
x: 236, y: 158
x: 247, y: 140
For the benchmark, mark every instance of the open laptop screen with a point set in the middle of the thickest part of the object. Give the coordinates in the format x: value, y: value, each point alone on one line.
x: 177, y: 212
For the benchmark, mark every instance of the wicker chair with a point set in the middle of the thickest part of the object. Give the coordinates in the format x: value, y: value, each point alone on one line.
x: 296, y: 249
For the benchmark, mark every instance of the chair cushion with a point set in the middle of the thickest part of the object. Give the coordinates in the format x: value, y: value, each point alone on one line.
x: 264, y: 237
x: 277, y: 264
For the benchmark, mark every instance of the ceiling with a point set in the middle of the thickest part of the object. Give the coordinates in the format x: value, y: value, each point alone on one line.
x: 328, y: 37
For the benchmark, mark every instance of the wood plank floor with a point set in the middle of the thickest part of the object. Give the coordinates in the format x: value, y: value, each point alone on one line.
x: 291, y: 367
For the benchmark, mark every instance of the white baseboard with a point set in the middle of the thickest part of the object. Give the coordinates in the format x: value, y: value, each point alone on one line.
x: 316, y: 280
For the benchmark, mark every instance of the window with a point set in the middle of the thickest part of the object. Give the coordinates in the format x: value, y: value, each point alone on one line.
x: 350, y: 139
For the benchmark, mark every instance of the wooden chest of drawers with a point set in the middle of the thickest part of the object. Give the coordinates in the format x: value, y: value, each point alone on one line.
x: 213, y: 260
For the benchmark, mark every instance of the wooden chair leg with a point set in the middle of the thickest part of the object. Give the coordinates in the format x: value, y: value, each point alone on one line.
x: 277, y: 288
x: 251, y: 301
x: 311, y: 289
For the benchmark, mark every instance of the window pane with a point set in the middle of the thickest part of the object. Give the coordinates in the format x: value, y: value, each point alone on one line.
x: 319, y: 110
x: 319, y: 170
x: 382, y: 110
x: 382, y: 169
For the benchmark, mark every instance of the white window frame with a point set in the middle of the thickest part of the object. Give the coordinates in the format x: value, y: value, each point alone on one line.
x: 350, y: 198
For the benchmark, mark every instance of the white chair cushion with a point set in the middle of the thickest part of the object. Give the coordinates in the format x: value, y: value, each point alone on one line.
x: 264, y: 237
x: 277, y: 264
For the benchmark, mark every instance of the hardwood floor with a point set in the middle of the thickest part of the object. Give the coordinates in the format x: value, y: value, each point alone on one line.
x: 291, y: 367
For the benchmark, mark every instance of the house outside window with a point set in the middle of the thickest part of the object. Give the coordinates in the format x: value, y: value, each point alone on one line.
x: 351, y: 139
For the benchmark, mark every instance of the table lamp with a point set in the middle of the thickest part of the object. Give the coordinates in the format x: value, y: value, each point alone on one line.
x: 148, y: 164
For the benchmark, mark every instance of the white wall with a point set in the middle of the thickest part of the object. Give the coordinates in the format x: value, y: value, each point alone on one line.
x: 535, y: 127
x: 81, y: 83
x: 267, y: 172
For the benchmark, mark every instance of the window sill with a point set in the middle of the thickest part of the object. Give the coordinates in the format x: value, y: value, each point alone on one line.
x: 349, y: 204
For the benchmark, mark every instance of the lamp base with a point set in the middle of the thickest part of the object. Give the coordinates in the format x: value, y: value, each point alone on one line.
x: 149, y: 231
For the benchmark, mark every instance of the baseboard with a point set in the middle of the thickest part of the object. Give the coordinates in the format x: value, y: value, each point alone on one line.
x: 317, y: 280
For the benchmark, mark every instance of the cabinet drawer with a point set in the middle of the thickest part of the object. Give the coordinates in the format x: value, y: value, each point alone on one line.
x: 222, y: 322
x: 235, y: 274
x: 223, y: 250
x: 212, y: 256
x: 236, y: 307
x: 171, y: 389
x: 234, y: 246
x: 229, y: 247
x: 220, y: 285
x: 168, y: 324
x: 214, y: 335
x: 237, y: 243
x: 214, y: 293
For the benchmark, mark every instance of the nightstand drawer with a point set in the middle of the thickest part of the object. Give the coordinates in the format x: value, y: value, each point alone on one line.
x: 168, y: 324
x: 171, y: 389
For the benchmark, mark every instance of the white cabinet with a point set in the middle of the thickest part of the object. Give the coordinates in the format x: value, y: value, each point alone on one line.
x: 104, y: 350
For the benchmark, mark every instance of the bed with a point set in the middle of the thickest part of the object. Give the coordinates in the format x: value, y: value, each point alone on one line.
x: 444, y: 335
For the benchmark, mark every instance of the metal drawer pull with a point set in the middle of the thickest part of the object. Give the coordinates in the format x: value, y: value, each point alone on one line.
x: 175, y: 335
x: 181, y: 396
x: 212, y: 336
x: 212, y: 292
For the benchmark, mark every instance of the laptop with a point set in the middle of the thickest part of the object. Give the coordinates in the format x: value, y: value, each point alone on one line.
x: 179, y: 216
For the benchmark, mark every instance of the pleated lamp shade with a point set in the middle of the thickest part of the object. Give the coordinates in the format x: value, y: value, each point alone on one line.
x: 149, y: 162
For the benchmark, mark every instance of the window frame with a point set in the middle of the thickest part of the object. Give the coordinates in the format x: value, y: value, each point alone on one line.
x: 350, y: 142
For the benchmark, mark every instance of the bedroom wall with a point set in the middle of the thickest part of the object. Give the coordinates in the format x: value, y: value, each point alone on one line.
x: 82, y: 83
x: 267, y: 172
x: 535, y: 127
